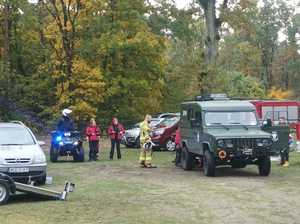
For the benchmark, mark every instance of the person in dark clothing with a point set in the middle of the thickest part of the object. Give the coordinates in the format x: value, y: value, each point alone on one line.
x: 116, y: 132
x: 93, y: 137
x: 65, y: 124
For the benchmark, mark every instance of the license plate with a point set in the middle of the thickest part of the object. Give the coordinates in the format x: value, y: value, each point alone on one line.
x: 18, y: 170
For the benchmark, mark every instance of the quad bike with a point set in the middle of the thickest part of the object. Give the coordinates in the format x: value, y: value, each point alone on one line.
x: 66, y: 144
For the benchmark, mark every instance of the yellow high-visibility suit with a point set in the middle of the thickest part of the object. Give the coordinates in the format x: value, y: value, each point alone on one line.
x: 145, y: 155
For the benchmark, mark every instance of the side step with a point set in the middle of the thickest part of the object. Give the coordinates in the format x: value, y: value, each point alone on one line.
x: 69, y: 187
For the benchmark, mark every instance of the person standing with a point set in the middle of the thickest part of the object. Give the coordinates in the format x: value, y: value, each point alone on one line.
x: 146, y: 153
x: 178, y: 147
x: 93, y: 136
x: 116, y: 132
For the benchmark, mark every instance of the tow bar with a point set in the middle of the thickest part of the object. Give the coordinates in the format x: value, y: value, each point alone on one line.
x: 9, y: 187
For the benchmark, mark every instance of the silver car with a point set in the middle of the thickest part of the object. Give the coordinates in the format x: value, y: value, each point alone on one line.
x: 21, y: 156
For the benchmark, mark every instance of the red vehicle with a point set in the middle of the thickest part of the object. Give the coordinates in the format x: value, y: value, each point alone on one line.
x: 163, y: 135
x: 278, y: 111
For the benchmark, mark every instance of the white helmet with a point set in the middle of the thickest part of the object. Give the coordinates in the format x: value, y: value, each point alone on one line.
x: 148, y: 145
x: 66, y: 112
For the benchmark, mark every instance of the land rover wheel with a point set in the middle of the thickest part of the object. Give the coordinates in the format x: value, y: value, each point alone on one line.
x: 53, y: 154
x: 170, y: 145
x: 209, y: 164
x: 264, y: 166
x: 187, y: 159
x: 4, y: 193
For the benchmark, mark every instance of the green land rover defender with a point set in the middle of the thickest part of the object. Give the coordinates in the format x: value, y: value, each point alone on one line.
x: 220, y: 132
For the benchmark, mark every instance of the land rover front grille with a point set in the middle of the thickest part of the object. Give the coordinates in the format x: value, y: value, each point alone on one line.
x: 17, y: 160
x: 249, y: 143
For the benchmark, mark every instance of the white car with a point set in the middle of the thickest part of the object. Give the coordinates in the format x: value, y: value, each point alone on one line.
x: 21, y: 156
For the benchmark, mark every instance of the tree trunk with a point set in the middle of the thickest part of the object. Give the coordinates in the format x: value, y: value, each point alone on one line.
x: 212, y: 26
x: 7, y: 32
x: 212, y: 33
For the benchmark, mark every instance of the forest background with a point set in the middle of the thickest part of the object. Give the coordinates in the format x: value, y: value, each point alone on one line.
x: 125, y: 58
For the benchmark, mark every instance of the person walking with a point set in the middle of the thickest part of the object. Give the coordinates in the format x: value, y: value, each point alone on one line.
x: 93, y: 136
x: 116, y: 132
x: 145, y: 138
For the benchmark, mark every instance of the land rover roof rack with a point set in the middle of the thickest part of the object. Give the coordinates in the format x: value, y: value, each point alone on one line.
x: 209, y: 97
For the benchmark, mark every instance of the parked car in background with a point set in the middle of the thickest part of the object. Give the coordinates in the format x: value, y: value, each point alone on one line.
x: 131, y: 138
x: 21, y: 156
x: 166, y: 115
x: 163, y: 135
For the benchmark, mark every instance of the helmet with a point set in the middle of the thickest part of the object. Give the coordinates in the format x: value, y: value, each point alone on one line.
x: 66, y: 112
x: 148, y: 145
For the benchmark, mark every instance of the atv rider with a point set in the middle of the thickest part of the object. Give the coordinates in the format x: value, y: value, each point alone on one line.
x: 65, y: 124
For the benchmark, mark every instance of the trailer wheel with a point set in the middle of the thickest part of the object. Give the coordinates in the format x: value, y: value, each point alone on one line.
x: 4, y: 193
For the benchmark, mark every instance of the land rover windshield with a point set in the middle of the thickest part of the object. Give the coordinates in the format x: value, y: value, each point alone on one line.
x: 246, y: 118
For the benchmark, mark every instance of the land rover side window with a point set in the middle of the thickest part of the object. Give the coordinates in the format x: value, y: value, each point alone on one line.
x: 191, y: 115
x: 292, y: 113
x: 197, y: 121
x: 247, y: 118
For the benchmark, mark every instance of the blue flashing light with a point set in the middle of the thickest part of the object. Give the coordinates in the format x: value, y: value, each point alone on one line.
x: 58, y: 138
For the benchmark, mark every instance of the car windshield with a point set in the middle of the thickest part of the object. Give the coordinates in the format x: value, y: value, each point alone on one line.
x: 247, y: 118
x: 168, y: 122
x: 15, y: 136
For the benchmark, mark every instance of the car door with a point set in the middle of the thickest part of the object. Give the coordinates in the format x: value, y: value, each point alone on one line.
x: 185, y: 126
x: 197, y: 131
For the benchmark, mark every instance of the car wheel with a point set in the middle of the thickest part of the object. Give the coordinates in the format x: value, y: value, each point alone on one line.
x: 264, y: 166
x: 79, y: 155
x: 42, y: 180
x: 187, y: 159
x: 209, y: 164
x: 170, y: 145
x: 138, y: 143
x: 53, y: 154
x: 4, y: 193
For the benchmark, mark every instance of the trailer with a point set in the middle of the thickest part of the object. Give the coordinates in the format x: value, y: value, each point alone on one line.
x: 9, y: 187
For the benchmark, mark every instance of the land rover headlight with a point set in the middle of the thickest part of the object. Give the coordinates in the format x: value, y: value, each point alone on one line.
x: 267, y: 142
x: 221, y: 143
x: 40, y: 159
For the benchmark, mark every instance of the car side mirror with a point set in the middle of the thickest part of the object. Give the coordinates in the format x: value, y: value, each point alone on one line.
x: 41, y: 143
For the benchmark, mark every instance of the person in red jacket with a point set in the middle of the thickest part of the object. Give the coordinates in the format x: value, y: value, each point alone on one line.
x: 93, y: 136
x: 116, y: 132
x: 178, y: 147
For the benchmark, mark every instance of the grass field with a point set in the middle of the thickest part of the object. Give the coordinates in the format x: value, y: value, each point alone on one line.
x: 121, y: 192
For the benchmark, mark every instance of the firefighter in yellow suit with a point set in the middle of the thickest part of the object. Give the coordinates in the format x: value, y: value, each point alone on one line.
x: 145, y: 154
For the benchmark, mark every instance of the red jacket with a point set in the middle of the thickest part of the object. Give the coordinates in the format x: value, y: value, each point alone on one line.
x: 116, y: 132
x: 93, y: 133
x: 178, y: 137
